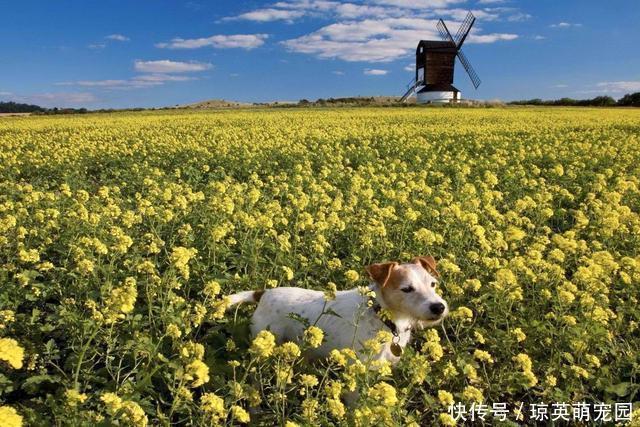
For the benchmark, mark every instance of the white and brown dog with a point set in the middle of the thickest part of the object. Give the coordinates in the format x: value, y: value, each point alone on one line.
x: 406, y: 291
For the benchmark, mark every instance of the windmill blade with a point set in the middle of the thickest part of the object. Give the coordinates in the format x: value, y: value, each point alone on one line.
x: 463, y: 30
x: 470, y: 71
x: 444, y: 31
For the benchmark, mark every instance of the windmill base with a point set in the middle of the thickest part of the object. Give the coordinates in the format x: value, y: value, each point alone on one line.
x: 438, y: 97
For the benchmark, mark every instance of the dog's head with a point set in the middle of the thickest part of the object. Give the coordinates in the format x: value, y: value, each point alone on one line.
x: 410, y: 289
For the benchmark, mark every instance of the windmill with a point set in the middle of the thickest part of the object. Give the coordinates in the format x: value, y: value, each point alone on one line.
x: 435, y: 59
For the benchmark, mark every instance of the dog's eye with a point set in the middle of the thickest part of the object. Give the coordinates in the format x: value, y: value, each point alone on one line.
x: 433, y: 285
x: 407, y: 289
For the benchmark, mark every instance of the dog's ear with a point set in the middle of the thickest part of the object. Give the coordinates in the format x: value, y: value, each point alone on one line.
x: 380, y: 272
x: 428, y: 263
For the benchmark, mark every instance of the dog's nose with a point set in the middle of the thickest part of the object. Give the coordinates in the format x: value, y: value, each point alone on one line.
x: 437, y: 308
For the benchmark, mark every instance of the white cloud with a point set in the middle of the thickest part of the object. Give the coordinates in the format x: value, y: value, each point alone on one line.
x: 337, y: 73
x: 418, y: 4
x: 491, y: 38
x: 243, y: 41
x: 619, y: 86
x: 97, y: 46
x: 136, y: 82
x: 519, y: 17
x: 410, y: 67
x: 491, y: 1
x: 58, y: 99
x: 117, y: 37
x: 539, y: 37
x: 560, y: 86
x: 375, y: 72
x: 5, y: 93
x: 168, y: 66
x: 269, y: 14
x: 379, y: 40
x: 564, y: 25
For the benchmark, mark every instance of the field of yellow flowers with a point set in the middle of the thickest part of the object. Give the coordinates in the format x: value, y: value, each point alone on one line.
x: 121, y: 233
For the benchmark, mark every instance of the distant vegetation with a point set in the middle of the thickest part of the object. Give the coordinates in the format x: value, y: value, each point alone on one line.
x: 629, y: 100
x: 14, y: 107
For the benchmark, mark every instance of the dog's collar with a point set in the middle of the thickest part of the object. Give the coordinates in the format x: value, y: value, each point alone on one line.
x: 377, y: 308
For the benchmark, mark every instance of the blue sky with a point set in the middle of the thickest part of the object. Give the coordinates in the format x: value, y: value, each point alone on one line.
x: 152, y: 53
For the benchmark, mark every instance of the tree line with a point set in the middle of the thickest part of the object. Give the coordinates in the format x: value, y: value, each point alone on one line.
x: 629, y: 100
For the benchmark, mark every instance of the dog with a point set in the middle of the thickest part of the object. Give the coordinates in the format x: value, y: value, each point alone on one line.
x: 406, y: 291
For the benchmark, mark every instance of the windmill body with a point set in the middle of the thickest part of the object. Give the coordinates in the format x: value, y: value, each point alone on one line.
x: 434, y: 69
x: 435, y: 62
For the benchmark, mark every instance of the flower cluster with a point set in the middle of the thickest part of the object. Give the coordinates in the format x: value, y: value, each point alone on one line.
x: 121, y: 236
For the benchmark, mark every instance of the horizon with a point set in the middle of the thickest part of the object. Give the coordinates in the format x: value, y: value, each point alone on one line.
x: 145, y: 55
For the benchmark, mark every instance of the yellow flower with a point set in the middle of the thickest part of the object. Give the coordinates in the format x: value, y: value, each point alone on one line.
x: 445, y: 397
x: 313, y: 336
x: 470, y: 393
x: 180, y: 257
x: 212, y: 405
x: 310, y: 409
x: 288, y: 272
x: 121, y: 300
x: 10, y: 417
x: 462, y: 313
x: 197, y: 372
x: 330, y: 293
x: 289, y: 351
x: 352, y: 276
x: 308, y: 380
x: 518, y: 334
x: 384, y: 393
x: 173, y: 331
x: 514, y: 234
x: 483, y: 356
x: 263, y: 344
x: 74, y: 397
x: 211, y: 289
x: 446, y: 420
x: 336, y: 408
x: 239, y: 414
x: 11, y: 352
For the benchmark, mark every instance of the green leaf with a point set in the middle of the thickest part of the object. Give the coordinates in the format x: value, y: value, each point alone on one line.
x: 621, y: 389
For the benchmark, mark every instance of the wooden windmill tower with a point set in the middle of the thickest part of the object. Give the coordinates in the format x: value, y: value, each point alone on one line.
x: 435, y: 60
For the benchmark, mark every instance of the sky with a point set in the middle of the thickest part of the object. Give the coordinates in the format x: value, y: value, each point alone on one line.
x: 155, y: 53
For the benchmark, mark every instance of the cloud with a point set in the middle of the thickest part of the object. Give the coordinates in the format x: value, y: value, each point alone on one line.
x: 97, y: 46
x: 266, y: 15
x: 243, y: 41
x: 337, y: 73
x: 375, y: 72
x: 117, y: 37
x: 491, y: 38
x: 564, y: 25
x: 58, y: 99
x: 2, y: 93
x: 491, y: 1
x: 410, y: 67
x: 619, y: 86
x: 136, y: 82
x: 539, y: 37
x: 519, y: 17
x: 379, y: 40
x: 418, y: 4
x: 168, y: 66
x: 560, y: 86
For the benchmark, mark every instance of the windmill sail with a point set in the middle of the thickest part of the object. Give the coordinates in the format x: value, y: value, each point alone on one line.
x: 470, y: 71
x: 461, y: 35
x: 464, y: 29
